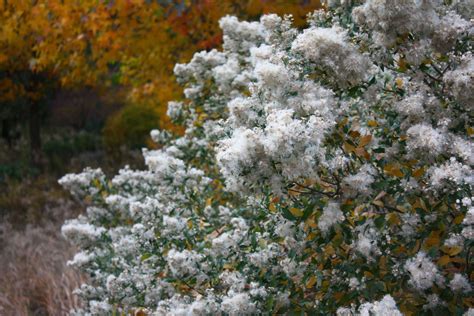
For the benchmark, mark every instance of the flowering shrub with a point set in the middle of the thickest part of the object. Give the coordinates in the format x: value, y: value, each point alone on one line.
x: 322, y: 171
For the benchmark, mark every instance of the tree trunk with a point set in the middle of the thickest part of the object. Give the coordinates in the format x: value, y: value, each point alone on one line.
x: 6, y: 132
x: 35, y: 136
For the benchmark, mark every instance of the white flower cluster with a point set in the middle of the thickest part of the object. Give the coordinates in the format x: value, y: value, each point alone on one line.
x: 385, y: 307
x: 423, y: 272
x: 311, y: 160
x: 461, y: 80
x: 331, y: 215
x: 318, y: 45
x: 80, y: 184
x: 388, y: 19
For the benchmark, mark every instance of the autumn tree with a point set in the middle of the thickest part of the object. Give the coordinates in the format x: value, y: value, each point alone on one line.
x: 45, y: 45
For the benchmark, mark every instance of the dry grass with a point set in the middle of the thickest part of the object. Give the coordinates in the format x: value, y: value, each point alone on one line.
x: 34, y: 279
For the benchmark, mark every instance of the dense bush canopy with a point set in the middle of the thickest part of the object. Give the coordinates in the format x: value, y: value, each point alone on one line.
x: 321, y: 171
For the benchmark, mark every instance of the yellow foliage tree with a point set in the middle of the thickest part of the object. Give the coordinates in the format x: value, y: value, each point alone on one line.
x: 131, y: 43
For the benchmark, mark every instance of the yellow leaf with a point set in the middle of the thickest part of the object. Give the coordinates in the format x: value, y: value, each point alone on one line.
x: 399, y: 83
x: 419, y: 203
x: 329, y: 250
x: 189, y: 246
x: 380, y: 195
x: 190, y: 224
x: 365, y: 140
x: 459, y: 260
x: 393, y: 170
x: 272, y: 208
x: 338, y: 239
x: 372, y: 123
x: 296, y: 212
x: 311, y: 223
x: 293, y: 193
x: 401, y: 208
x: 423, y: 205
x: 311, y: 282
x: 319, y: 296
x: 418, y: 172
x: 388, y: 168
x: 96, y: 183
x: 402, y: 65
x: 458, y: 219
x: 411, y: 162
x: 383, y: 262
x: 378, y: 203
x: 426, y: 61
x: 311, y: 236
x: 348, y: 147
x: 433, y: 239
x: 393, y: 219
x: 406, y: 310
x: 468, y: 301
x: 228, y: 266
x: 452, y: 251
x: 343, y: 122
x: 470, y: 131
x: 444, y: 260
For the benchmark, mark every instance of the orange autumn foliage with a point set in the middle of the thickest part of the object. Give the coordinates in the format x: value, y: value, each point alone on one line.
x: 131, y: 43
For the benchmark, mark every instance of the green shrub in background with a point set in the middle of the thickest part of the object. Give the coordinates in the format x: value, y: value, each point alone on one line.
x: 60, y: 149
x: 130, y: 127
